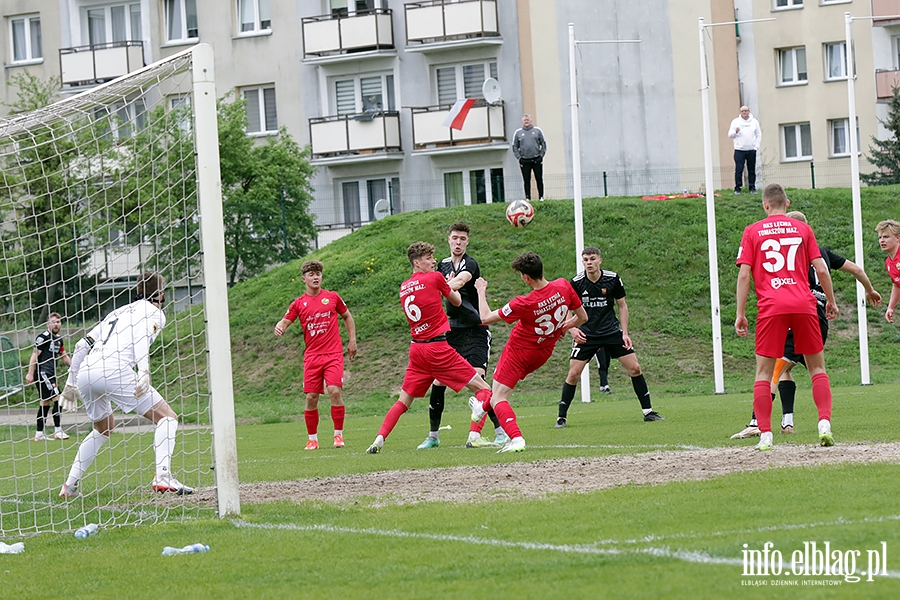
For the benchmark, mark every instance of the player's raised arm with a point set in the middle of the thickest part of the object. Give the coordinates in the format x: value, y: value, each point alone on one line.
x: 872, y: 296
x: 456, y: 283
x: 487, y: 315
x: 351, y: 333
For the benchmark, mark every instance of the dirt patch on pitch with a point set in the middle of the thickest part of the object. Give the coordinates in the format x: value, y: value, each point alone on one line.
x: 542, y: 478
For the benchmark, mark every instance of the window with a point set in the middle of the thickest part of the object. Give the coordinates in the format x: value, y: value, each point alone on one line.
x: 261, y: 115
x: 25, y: 33
x: 836, y: 61
x: 788, y: 4
x: 255, y: 15
x: 792, y: 65
x: 455, y: 82
x: 121, y: 120
x: 115, y: 23
x: 380, y: 188
x: 180, y: 104
x: 895, y: 47
x: 471, y: 186
x: 840, y: 143
x: 344, y: 8
x: 369, y: 93
x: 181, y: 20
x: 796, y: 141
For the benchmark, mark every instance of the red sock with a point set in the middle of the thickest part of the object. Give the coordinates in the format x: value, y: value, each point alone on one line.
x: 762, y: 405
x: 390, y: 420
x: 507, y: 419
x: 821, y: 391
x: 485, y: 397
x: 337, y: 416
x: 477, y: 427
x: 312, y: 421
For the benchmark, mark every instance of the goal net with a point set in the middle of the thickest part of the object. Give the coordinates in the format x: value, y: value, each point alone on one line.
x: 94, y: 190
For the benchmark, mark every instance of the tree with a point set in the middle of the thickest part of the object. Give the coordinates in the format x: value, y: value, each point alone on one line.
x: 265, y: 194
x: 885, y: 154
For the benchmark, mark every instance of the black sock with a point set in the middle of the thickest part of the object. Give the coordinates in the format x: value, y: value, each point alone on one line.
x: 43, y: 411
x: 604, y: 377
x: 56, y: 415
x: 493, y: 417
x: 787, y: 390
x: 640, y: 388
x: 603, y: 367
x: 568, y: 394
x: 436, y: 406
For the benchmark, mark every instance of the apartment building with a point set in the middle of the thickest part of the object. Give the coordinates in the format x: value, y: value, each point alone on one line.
x: 367, y: 84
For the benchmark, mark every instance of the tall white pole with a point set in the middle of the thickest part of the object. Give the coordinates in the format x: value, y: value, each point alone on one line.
x: 862, y: 322
x: 718, y: 366
x: 576, y: 177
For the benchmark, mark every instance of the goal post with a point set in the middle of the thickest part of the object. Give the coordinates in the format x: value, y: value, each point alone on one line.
x: 95, y: 189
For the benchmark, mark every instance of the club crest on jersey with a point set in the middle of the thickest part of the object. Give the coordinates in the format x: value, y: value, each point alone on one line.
x: 155, y: 327
x: 603, y: 291
x: 325, y: 301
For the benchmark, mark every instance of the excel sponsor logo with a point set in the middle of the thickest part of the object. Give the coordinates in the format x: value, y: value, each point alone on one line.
x: 813, y: 564
x: 777, y: 282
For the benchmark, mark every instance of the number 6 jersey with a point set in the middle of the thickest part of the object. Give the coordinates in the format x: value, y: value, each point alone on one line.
x: 778, y: 250
x: 540, y: 313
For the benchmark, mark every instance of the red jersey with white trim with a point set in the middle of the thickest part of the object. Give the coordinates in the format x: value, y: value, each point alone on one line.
x: 779, y: 250
x: 319, y: 318
x: 541, y: 313
x: 892, y: 264
x: 421, y: 297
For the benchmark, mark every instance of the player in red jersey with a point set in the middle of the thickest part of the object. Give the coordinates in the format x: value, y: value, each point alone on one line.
x: 776, y: 253
x: 323, y: 359
x: 889, y: 240
x: 543, y: 317
x: 430, y: 356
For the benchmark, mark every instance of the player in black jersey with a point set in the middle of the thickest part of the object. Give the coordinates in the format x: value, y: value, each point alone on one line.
x: 48, y: 347
x: 467, y: 336
x: 782, y: 380
x: 600, y: 292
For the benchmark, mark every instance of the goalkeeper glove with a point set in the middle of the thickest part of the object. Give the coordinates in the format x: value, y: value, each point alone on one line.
x: 143, y: 384
x: 70, y: 397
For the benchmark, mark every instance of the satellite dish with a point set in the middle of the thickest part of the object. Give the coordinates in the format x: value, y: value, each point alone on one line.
x: 491, y: 90
x: 382, y: 209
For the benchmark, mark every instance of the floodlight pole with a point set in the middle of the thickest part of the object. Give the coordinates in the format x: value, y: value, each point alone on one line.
x: 862, y: 321
x: 715, y: 306
x: 576, y: 174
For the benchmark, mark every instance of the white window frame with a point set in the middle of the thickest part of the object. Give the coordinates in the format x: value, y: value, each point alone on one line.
x: 490, y: 70
x: 798, y: 129
x: 895, y: 51
x: 351, y: 6
x: 388, y: 91
x: 832, y: 125
x: 30, y: 57
x: 123, y: 128
x: 261, y: 105
x: 181, y: 5
x: 792, y: 52
x: 829, y: 2
x: 175, y: 102
x: 468, y: 198
x: 826, y: 55
x: 259, y: 26
x: 107, y: 16
x: 788, y: 5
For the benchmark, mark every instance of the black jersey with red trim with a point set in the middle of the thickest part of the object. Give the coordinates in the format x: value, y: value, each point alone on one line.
x: 49, y: 346
x: 466, y: 314
x: 599, y: 300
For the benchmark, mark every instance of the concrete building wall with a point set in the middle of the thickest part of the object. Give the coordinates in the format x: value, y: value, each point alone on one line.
x: 48, y: 66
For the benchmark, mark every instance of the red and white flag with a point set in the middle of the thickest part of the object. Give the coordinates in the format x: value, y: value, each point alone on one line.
x: 457, y: 115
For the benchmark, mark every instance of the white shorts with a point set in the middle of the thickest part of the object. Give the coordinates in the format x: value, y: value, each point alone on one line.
x: 100, y: 388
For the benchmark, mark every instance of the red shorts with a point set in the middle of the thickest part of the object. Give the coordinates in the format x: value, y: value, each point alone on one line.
x: 435, y: 360
x: 517, y: 362
x: 319, y: 368
x: 771, y: 333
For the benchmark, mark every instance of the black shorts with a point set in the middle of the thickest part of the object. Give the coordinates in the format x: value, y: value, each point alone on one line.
x: 613, y: 344
x: 45, y: 384
x: 791, y: 355
x: 473, y: 344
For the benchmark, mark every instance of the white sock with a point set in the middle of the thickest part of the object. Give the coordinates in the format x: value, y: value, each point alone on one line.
x: 474, y: 435
x: 787, y: 419
x: 499, y: 431
x: 164, y: 443
x: 379, y: 441
x: 314, y: 437
x: 87, y: 451
x: 647, y: 411
x: 338, y: 432
x: 434, y: 435
x: 58, y: 430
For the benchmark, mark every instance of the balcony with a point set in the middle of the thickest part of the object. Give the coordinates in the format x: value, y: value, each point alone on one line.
x: 883, y: 10
x: 885, y: 81
x: 363, y: 137
x: 434, y: 25
x: 330, y: 38
x: 88, y: 65
x: 484, y: 129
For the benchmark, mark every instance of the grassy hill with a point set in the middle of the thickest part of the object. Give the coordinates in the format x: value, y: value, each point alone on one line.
x: 659, y: 249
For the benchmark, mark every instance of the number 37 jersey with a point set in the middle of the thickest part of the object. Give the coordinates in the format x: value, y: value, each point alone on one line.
x: 123, y: 338
x: 778, y: 250
x: 540, y: 313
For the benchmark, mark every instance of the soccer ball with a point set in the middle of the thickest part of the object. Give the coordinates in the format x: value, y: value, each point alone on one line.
x: 519, y: 213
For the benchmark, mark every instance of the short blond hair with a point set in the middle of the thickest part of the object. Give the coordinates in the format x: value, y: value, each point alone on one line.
x: 796, y: 214
x: 889, y: 226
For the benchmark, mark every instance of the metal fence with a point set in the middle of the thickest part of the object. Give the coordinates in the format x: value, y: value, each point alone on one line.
x: 339, y: 212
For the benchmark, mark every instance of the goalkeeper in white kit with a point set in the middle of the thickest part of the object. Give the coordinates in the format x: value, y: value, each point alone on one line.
x: 103, y: 372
